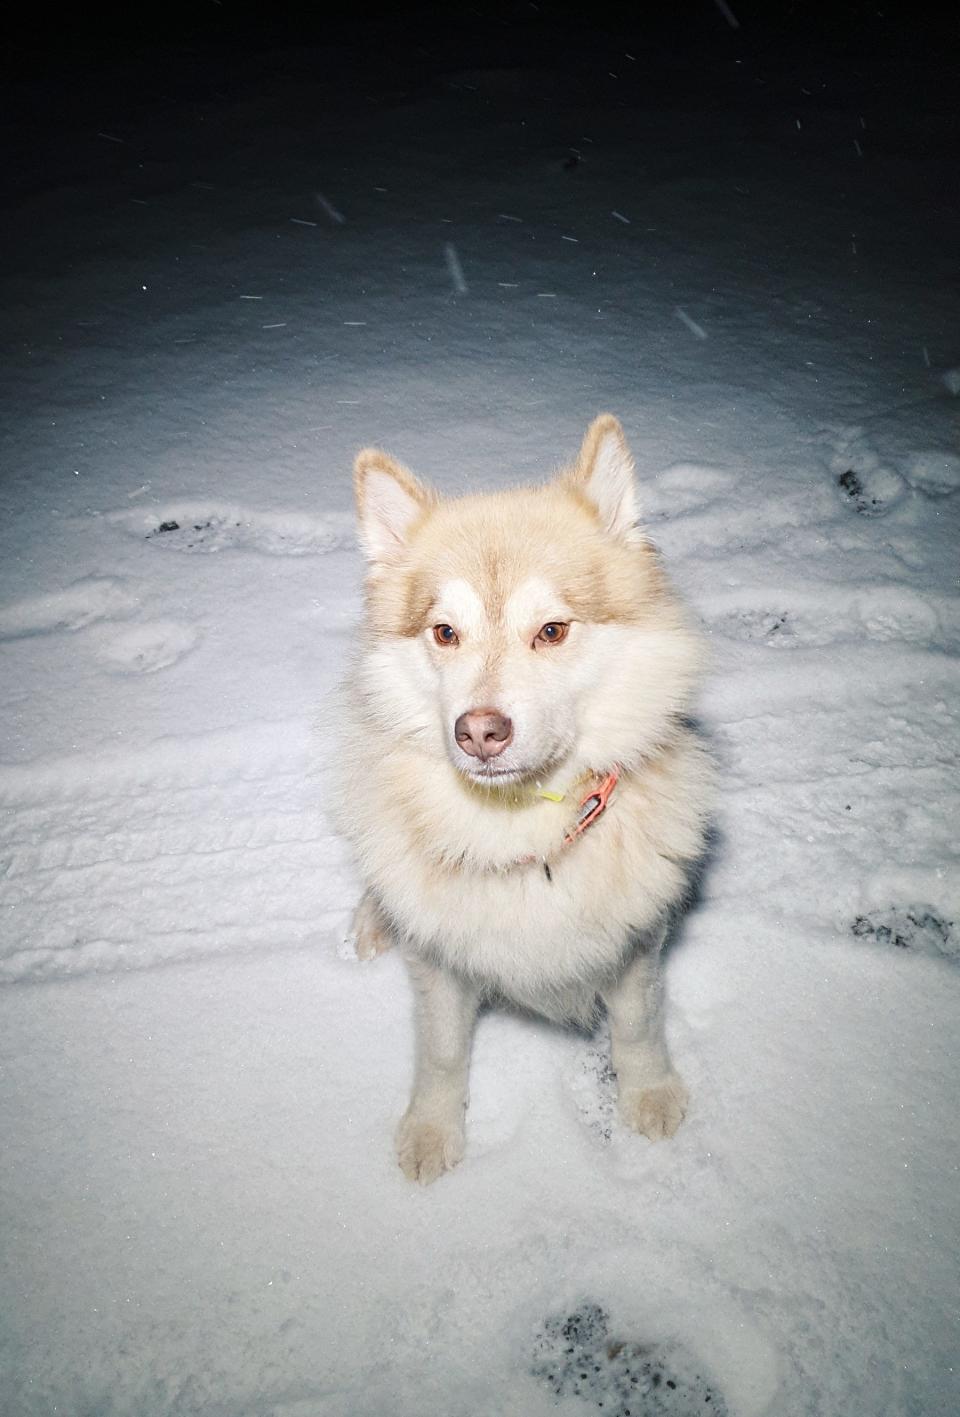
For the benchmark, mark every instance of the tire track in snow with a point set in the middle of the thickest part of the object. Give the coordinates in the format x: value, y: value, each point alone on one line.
x: 200, y: 847
x: 839, y: 775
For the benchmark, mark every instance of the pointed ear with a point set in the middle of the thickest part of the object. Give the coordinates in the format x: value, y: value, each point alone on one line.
x: 604, y: 472
x: 389, y: 501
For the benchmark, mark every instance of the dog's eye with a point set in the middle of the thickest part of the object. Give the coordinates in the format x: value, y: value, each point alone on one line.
x: 445, y: 635
x: 552, y: 633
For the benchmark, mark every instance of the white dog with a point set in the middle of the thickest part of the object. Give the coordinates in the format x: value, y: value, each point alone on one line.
x: 524, y: 795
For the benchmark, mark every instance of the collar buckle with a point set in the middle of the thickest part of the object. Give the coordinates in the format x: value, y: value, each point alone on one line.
x: 593, y: 805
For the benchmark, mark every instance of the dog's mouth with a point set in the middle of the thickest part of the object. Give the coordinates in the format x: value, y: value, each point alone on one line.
x: 488, y: 775
x: 497, y: 773
x: 491, y: 774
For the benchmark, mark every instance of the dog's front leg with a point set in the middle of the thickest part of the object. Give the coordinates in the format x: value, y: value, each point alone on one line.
x: 651, y: 1097
x: 369, y: 929
x: 430, y: 1137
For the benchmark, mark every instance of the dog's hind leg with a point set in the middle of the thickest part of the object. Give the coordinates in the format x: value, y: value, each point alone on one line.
x: 430, y: 1138
x: 651, y: 1097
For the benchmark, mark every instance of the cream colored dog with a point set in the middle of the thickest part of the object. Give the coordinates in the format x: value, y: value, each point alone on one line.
x: 522, y: 790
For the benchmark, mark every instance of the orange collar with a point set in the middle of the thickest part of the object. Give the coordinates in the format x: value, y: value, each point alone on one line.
x: 591, y: 808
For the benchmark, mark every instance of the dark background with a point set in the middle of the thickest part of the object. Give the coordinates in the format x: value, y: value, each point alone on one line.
x: 95, y: 65
x: 908, y: 47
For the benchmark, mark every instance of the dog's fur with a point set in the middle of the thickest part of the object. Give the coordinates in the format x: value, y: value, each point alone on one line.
x: 465, y: 862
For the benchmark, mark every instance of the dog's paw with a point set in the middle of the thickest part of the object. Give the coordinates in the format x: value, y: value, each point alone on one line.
x: 426, y: 1149
x: 655, y: 1112
x: 371, y: 936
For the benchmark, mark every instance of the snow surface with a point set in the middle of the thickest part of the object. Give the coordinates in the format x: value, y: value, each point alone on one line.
x: 220, y: 292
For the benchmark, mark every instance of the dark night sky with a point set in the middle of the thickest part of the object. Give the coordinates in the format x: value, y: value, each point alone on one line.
x: 98, y: 60
x: 897, y: 44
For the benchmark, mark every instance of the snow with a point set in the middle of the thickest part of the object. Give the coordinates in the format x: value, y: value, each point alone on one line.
x: 200, y: 1212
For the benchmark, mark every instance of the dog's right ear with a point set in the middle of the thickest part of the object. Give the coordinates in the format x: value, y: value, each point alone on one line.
x: 389, y: 501
x: 604, y: 471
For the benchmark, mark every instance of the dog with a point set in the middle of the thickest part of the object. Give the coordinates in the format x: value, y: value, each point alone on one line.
x: 526, y: 798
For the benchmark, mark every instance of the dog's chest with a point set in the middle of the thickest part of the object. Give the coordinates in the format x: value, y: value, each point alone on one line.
x: 522, y: 930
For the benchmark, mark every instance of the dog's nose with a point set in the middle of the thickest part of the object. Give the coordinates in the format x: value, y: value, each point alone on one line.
x: 483, y: 733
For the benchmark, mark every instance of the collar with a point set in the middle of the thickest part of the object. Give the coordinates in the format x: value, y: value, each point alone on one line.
x: 593, y: 806
x: 591, y: 809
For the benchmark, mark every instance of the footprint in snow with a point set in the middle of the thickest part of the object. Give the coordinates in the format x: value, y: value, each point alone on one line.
x: 195, y: 528
x: 576, y: 1355
x: 864, y: 482
x: 772, y: 626
x: 871, y: 493
x: 685, y: 487
x: 83, y: 603
x: 145, y: 648
x: 935, y: 474
x: 826, y: 615
x: 916, y: 927
x: 593, y: 1087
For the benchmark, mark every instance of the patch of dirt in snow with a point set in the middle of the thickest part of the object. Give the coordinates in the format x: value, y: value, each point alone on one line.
x: 197, y: 528
x: 772, y: 626
x: 915, y: 927
x: 871, y: 493
x: 870, y: 487
x: 575, y: 1354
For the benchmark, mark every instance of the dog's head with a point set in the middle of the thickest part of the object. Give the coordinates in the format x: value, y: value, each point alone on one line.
x: 520, y: 633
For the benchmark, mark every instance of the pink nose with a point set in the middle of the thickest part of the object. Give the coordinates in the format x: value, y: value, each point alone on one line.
x: 483, y: 733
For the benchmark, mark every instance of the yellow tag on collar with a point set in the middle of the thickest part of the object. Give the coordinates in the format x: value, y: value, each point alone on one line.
x: 551, y: 796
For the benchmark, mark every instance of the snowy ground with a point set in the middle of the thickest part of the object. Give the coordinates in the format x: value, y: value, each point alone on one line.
x: 224, y: 285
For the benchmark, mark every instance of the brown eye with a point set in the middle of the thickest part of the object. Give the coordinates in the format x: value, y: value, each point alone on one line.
x: 445, y: 635
x: 552, y: 633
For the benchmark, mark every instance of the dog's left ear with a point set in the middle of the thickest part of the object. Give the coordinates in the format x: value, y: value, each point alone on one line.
x: 389, y: 501
x: 604, y: 471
